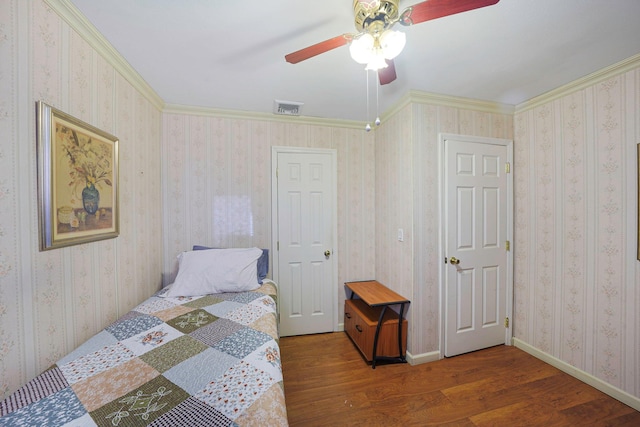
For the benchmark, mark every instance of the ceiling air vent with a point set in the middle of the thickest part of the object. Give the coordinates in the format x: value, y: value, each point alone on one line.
x: 287, y: 108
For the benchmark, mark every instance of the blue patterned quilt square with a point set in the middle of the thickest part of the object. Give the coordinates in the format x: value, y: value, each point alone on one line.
x: 98, y: 341
x: 242, y: 342
x: 54, y: 410
x: 241, y: 297
x: 133, y: 326
x: 222, y: 308
x: 188, y: 375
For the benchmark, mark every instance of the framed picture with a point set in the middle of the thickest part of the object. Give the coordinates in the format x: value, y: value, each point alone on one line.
x: 77, y: 180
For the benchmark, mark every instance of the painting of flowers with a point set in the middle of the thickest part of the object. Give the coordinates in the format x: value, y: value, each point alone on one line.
x: 78, y: 166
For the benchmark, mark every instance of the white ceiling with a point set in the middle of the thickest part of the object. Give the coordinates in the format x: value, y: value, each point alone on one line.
x: 230, y: 54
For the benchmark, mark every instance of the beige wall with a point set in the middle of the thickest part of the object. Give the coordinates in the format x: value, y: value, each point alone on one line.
x: 407, y: 197
x: 577, y: 280
x: 50, y: 302
x: 216, y: 180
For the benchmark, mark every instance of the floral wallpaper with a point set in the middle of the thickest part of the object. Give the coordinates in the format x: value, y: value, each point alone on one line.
x: 191, y: 176
x: 406, y: 197
x: 577, y: 280
x: 216, y: 180
x: 52, y: 301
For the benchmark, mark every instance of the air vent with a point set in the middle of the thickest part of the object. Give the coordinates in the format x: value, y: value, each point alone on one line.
x: 287, y: 108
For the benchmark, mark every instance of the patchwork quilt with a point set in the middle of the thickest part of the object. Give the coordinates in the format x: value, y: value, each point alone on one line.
x: 210, y: 360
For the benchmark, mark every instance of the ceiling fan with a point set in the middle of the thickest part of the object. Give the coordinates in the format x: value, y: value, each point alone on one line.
x: 376, y: 44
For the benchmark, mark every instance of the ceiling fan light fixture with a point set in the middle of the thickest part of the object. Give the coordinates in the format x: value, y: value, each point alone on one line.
x: 375, y: 50
x: 377, y: 62
x: 362, y: 49
x: 392, y: 43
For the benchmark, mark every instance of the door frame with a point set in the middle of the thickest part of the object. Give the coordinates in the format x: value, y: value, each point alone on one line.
x: 275, y: 260
x: 442, y: 277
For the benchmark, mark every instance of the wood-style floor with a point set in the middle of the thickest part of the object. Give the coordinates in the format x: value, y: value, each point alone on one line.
x: 328, y: 383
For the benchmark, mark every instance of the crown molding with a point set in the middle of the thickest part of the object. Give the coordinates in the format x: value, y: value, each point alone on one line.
x: 417, y: 97
x: 582, y: 83
x: 252, y: 115
x: 79, y: 23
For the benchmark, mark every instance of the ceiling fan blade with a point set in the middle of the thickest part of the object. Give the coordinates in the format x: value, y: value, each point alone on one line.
x: 434, y: 9
x: 318, y: 48
x: 388, y: 74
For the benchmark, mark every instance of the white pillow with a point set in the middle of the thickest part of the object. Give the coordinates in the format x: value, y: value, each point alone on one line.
x: 215, y: 271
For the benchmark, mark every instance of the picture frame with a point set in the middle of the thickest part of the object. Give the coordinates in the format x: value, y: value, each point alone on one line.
x: 77, y: 180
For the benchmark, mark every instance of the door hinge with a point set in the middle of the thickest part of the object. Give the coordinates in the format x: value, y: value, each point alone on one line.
x: 506, y: 322
x: 507, y: 167
x: 278, y: 245
x: 507, y: 245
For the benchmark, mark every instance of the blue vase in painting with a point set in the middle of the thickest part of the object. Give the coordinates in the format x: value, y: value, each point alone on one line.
x: 90, y: 198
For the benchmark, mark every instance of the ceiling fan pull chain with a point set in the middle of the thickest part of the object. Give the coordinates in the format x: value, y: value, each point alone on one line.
x: 377, y: 103
x: 368, y: 126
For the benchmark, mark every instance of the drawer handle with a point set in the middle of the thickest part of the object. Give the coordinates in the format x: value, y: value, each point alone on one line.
x: 347, y: 315
x: 359, y: 328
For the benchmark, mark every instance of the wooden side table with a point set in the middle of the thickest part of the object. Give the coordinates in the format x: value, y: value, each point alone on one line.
x: 376, y: 295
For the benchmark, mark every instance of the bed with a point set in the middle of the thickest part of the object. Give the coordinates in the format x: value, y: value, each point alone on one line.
x: 211, y: 359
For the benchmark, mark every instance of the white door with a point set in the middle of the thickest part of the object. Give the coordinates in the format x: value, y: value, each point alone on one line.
x: 304, y: 239
x: 477, y: 218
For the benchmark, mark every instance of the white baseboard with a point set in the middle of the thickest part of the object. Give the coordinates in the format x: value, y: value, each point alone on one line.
x: 583, y: 376
x: 418, y: 359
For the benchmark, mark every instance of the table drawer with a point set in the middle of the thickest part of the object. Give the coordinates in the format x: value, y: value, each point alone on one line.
x: 360, y: 321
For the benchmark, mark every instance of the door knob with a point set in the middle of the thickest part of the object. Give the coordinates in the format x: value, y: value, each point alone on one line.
x: 453, y: 260
x: 327, y: 253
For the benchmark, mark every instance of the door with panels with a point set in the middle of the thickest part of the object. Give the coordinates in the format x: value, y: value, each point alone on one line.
x: 477, y: 222
x: 304, y: 228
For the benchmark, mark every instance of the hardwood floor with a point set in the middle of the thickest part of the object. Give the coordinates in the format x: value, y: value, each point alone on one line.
x: 328, y: 383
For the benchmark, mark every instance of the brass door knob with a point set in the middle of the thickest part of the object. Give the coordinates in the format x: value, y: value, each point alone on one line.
x: 453, y: 260
x: 327, y: 253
